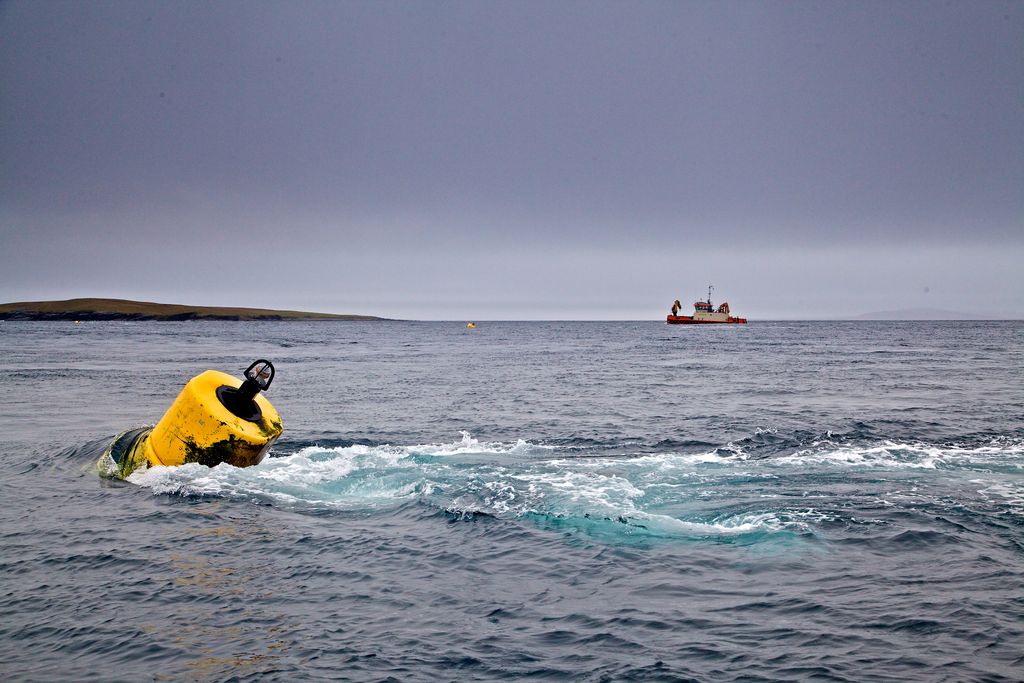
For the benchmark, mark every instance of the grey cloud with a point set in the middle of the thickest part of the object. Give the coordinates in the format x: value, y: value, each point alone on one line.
x: 478, y: 129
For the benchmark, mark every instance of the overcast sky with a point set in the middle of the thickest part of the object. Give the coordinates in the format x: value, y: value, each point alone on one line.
x: 520, y: 160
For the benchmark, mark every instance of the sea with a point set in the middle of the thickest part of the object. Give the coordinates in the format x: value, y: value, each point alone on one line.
x: 550, y: 501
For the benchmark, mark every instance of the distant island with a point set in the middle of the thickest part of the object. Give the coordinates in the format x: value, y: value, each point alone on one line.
x: 922, y: 314
x: 122, y: 309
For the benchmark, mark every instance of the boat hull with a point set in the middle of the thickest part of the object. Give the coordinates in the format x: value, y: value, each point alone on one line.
x: 690, y: 320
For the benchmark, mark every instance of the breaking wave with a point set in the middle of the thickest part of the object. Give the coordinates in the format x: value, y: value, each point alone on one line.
x: 721, y: 492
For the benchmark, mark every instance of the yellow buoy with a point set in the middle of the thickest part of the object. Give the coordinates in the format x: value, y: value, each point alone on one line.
x: 471, y: 326
x: 216, y: 418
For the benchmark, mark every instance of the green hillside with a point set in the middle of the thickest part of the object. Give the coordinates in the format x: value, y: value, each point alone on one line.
x: 122, y: 309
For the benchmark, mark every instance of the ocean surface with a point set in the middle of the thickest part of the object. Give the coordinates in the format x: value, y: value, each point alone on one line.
x: 524, y: 501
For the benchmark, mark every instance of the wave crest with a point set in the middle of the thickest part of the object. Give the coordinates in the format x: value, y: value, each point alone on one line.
x: 662, y: 494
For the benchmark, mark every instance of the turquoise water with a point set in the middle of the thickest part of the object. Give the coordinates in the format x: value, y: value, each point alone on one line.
x: 594, y: 501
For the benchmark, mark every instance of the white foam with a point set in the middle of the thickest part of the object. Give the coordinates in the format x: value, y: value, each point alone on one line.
x: 1008, y: 493
x: 507, y: 479
x: 471, y: 446
x: 893, y: 454
x: 387, y: 473
x: 661, y: 461
x: 734, y: 525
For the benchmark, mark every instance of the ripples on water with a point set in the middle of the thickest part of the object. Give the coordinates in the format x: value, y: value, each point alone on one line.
x: 620, y: 501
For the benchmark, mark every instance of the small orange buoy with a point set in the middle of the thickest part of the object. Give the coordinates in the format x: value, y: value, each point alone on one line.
x: 471, y: 326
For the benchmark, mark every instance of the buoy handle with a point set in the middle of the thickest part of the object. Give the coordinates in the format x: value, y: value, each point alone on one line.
x: 261, y: 372
x: 258, y: 377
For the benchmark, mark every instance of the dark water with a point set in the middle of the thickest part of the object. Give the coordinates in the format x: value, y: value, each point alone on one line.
x: 586, y: 501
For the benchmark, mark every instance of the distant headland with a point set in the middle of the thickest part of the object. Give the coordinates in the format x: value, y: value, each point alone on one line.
x: 122, y: 309
x: 923, y: 314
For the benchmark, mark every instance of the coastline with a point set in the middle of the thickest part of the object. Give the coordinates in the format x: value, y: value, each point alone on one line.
x: 124, y: 309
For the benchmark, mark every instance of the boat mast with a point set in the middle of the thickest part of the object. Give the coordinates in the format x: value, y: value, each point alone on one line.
x: 709, y: 295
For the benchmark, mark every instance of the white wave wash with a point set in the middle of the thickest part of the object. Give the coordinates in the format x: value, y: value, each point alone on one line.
x: 893, y: 454
x: 651, y: 494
